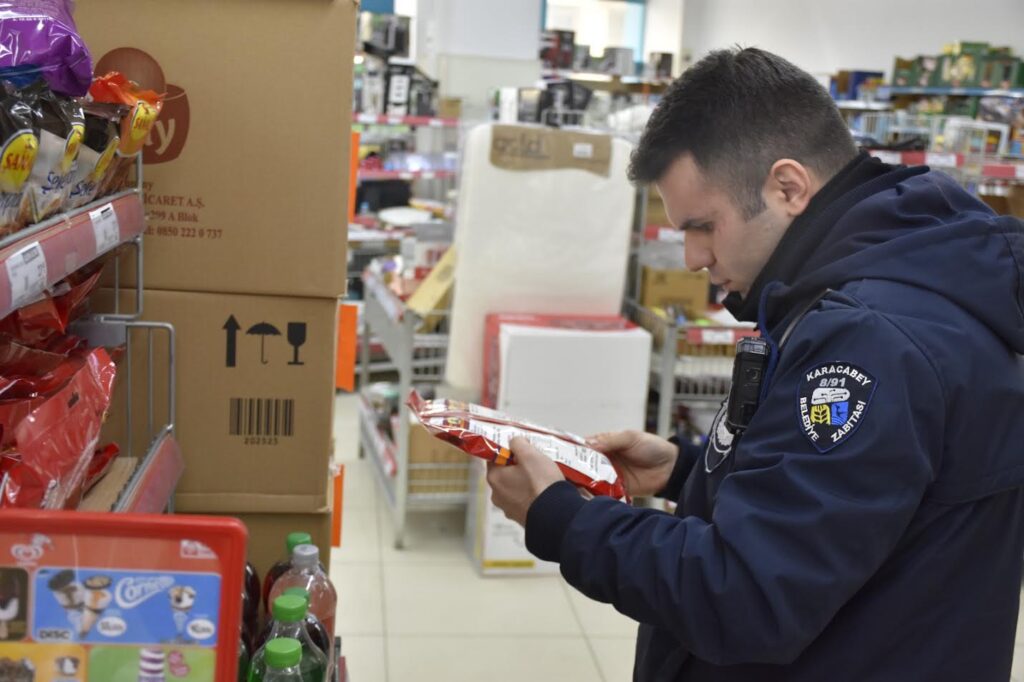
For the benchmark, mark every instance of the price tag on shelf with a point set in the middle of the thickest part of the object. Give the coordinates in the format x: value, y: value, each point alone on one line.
x: 1019, y: 171
x: 26, y: 272
x: 427, y: 175
x: 395, y: 120
x: 366, y: 118
x: 717, y: 336
x: 106, y: 228
x: 436, y: 123
x: 892, y: 158
x: 940, y: 160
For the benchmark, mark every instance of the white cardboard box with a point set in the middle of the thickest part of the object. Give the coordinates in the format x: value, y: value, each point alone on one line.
x: 579, y: 381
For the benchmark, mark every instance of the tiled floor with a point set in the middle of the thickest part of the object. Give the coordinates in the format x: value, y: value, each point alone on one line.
x: 423, y: 614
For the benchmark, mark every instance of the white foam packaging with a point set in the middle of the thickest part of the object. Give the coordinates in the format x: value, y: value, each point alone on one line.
x: 543, y: 226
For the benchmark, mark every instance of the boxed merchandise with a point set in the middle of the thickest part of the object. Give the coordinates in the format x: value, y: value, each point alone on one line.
x: 492, y: 355
x: 557, y: 49
x: 434, y: 293
x: 682, y: 288
x: 209, y: 156
x: 1008, y: 110
x: 255, y: 389
x: 1002, y: 71
x: 582, y: 380
x: 409, y: 92
x: 267, y: 533
x: 496, y: 544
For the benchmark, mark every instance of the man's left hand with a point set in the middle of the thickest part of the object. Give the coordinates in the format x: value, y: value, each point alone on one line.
x: 514, y: 487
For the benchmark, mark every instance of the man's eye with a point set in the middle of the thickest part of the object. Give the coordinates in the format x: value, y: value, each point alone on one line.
x: 700, y: 227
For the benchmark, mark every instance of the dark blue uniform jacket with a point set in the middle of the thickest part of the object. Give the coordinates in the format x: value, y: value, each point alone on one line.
x: 868, y: 524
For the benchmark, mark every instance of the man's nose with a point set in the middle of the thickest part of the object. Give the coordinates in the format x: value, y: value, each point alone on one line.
x: 697, y: 253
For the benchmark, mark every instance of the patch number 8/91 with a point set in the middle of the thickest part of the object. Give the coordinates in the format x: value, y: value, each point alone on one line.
x: 834, y: 382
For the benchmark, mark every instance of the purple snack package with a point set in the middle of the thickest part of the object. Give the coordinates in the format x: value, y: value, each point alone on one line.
x: 42, y: 34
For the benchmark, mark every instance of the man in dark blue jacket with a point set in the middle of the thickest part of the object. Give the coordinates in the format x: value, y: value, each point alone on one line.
x: 867, y: 522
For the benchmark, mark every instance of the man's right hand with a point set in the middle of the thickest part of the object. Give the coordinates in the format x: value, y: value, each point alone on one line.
x: 644, y: 460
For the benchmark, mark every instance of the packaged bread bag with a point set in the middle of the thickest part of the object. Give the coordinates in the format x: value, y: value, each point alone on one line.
x: 20, y: 139
x: 61, y: 126
x: 102, y: 138
x: 144, y: 108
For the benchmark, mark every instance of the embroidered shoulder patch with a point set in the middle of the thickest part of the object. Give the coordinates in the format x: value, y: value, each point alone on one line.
x: 832, y: 400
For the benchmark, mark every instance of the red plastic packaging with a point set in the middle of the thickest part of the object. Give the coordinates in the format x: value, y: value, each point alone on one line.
x: 50, y: 440
x: 486, y: 433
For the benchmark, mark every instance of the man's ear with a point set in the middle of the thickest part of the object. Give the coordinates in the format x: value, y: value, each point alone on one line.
x: 789, y: 187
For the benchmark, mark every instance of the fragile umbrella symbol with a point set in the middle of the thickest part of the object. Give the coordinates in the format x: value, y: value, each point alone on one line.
x: 263, y: 329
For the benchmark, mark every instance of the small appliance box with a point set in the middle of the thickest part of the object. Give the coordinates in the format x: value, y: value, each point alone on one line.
x: 255, y: 397
x: 246, y: 167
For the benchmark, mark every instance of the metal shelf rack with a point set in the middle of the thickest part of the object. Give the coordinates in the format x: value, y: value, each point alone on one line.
x: 36, y: 258
x: 418, y: 358
x: 691, y: 364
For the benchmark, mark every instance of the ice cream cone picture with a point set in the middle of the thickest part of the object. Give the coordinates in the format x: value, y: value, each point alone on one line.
x: 97, y: 599
x: 8, y: 611
x: 183, y: 598
x: 70, y: 594
x: 151, y: 665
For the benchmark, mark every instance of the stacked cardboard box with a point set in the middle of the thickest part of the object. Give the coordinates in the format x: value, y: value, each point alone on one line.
x: 245, y: 177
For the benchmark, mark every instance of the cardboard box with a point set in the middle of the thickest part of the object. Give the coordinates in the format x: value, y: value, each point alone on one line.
x: 689, y: 290
x: 447, y: 469
x: 267, y: 533
x: 247, y: 166
x: 495, y: 544
x: 435, y: 292
x: 255, y: 397
x: 577, y: 380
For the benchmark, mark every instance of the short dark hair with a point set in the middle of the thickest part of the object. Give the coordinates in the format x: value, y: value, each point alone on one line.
x: 737, y: 112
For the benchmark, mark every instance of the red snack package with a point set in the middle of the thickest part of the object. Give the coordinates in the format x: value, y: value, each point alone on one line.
x: 486, y: 433
x: 54, y: 437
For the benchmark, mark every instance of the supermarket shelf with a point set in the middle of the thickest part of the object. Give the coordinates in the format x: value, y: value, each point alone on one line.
x: 67, y: 242
x: 151, y: 488
x: 411, y: 121
x: 996, y: 169
x: 405, y: 175
x: 860, y: 105
x: 888, y: 90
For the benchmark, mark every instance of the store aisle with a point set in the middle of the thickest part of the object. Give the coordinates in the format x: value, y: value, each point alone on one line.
x: 424, y: 615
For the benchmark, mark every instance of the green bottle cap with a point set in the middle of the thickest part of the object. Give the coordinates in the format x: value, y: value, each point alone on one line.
x: 289, y: 608
x: 297, y: 538
x: 283, y: 653
x: 298, y: 592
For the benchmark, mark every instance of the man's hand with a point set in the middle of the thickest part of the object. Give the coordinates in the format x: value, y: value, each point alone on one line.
x: 645, y: 460
x: 516, y: 486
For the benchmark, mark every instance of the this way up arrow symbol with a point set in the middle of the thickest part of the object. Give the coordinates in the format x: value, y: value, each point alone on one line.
x: 231, y: 327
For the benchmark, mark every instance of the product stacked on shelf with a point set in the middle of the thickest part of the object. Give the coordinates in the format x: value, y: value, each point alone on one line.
x: 68, y: 141
x: 961, y: 112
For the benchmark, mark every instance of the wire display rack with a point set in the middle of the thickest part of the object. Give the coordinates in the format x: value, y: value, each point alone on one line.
x: 419, y: 359
x: 691, y: 365
x: 66, y: 243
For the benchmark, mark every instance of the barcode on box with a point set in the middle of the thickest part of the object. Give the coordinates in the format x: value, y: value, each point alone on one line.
x: 261, y: 417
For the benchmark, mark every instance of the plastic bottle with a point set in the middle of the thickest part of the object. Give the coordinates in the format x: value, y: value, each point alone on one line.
x: 293, y: 540
x: 243, y: 660
x: 289, y: 623
x: 308, y: 572
x: 283, y: 659
x: 316, y: 630
x: 252, y: 588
